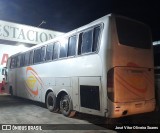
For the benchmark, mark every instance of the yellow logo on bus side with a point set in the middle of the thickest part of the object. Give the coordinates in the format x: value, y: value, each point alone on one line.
x: 33, y: 81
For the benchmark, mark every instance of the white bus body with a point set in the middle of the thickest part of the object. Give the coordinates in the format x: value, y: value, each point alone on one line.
x: 108, y: 72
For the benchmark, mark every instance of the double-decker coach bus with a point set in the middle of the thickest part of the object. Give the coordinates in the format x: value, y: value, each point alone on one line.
x: 104, y: 68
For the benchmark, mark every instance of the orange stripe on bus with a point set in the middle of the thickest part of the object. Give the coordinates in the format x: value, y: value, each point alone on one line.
x: 30, y: 68
x: 127, y: 88
x: 37, y: 78
x: 33, y: 92
x: 143, y: 90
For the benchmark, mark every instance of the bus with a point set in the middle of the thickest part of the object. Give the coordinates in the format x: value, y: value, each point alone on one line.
x: 104, y: 68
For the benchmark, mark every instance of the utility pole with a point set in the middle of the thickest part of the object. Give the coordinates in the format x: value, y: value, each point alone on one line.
x: 43, y: 22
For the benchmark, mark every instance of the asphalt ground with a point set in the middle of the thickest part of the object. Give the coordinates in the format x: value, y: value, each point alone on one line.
x: 15, y: 111
x: 22, y: 115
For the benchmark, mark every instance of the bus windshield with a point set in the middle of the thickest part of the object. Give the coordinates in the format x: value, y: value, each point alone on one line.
x: 132, y: 33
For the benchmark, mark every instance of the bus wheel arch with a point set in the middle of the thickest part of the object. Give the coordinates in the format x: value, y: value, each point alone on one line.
x: 50, y: 101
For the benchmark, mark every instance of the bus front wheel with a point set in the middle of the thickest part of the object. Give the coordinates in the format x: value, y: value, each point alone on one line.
x: 66, y: 106
x: 51, y: 102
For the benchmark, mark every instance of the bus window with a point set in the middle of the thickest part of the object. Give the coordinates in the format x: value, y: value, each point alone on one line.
x: 55, y: 50
x: 22, y: 60
x: 37, y: 55
x: 18, y: 60
x: 95, y: 38
x: 88, y: 41
x: 132, y: 33
x: 72, y: 46
x: 63, y: 48
x: 31, y: 57
x: 87, y: 38
x: 79, y: 43
x: 26, y: 59
x: 49, y: 51
x: 43, y: 52
x: 13, y: 62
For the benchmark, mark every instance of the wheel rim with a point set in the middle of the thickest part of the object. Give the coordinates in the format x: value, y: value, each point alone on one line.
x: 65, y: 105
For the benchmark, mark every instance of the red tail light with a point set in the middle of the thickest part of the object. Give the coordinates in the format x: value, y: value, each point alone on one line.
x: 110, y: 84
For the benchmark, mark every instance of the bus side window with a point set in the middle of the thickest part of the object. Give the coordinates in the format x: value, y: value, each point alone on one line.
x: 56, y: 50
x: 95, y: 38
x: 13, y: 62
x: 43, y: 52
x: 85, y: 42
x: 31, y: 57
x: 72, y: 46
x: 37, y: 55
x: 63, y: 48
x: 87, y: 39
x: 80, y: 43
x: 26, y: 59
x: 18, y: 60
x: 49, y: 51
x: 22, y: 60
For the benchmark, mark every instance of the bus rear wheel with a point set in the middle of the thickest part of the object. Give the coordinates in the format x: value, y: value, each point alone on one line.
x: 51, y: 102
x: 66, y: 107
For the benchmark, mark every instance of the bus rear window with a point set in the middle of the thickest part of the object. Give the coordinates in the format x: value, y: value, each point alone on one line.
x: 132, y: 33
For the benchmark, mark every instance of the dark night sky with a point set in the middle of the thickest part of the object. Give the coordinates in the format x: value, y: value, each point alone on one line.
x: 66, y: 15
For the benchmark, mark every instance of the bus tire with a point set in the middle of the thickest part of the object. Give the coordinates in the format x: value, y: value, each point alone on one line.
x: 66, y: 107
x: 51, y: 102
